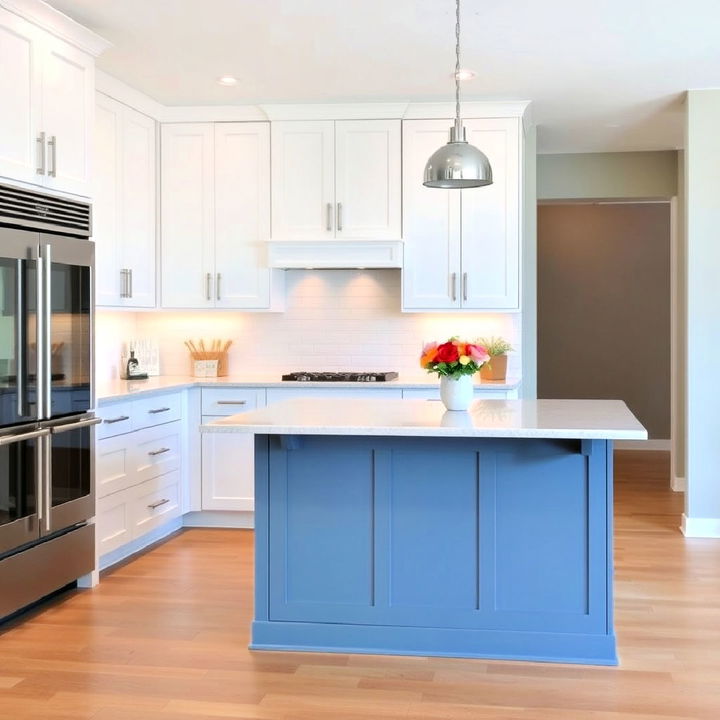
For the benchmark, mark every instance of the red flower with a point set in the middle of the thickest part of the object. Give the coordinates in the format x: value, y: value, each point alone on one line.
x: 447, y: 353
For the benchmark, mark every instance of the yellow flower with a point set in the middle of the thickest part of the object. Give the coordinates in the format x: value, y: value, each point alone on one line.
x: 464, y: 360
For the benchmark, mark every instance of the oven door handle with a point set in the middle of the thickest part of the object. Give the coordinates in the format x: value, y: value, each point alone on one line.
x: 11, y: 439
x: 75, y: 426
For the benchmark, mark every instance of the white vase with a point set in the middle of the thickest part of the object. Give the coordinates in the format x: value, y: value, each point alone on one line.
x: 456, y: 392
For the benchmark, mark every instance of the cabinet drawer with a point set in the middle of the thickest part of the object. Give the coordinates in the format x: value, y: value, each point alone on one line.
x: 117, y: 418
x: 114, y: 464
x: 158, y: 450
x: 113, y: 521
x: 231, y: 401
x: 157, y: 409
x: 156, y: 501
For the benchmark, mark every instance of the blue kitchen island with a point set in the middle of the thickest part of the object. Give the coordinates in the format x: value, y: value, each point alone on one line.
x: 393, y: 526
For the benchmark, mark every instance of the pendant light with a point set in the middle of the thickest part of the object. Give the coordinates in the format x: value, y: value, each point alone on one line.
x: 457, y: 164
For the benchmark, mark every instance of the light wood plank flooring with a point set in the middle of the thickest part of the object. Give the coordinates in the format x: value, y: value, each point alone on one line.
x: 165, y: 637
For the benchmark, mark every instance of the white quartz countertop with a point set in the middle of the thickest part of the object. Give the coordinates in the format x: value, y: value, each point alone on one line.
x: 561, y: 419
x: 122, y: 389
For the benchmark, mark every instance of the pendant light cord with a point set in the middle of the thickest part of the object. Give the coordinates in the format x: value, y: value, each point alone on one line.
x: 457, y: 61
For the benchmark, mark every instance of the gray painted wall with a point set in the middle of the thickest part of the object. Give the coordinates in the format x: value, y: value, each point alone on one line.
x: 607, y: 175
x: 604, y: 306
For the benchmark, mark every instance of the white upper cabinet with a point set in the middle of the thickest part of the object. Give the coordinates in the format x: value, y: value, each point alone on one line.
x: 46, y: 115
x: 124, y: 209
x: 187, y: 215
x: 462, y: 246
x: 215, y: 216
x: 242, y: 215
x: 490, y: 221
x: 303, y: 186
x: 20, y: 93
x: 367, y: 179
x: 336, y: 180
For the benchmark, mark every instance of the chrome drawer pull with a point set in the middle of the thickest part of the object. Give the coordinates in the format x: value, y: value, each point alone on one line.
x: 232, y: 402
x: 157, y: 504
x: 158, y: 410
x: 159, y: 452
x: 122, y: 418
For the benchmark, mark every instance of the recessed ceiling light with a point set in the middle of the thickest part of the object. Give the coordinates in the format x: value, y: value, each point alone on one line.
x: 227, y: 80
x: 464, y: 74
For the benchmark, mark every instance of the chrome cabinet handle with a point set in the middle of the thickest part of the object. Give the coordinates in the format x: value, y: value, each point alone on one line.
x: 453, y: 282
x: 464, y: 286
x: 217, y: 285
x: 52, y: 166
x: 328, y: 225
x: 232, y: 402
x: 208, y: 281
x: 121, y: 418
x: 157, y: 504
x: 124, y: 285
x: 130, y: 283
x: 40, y: 140
x: 75, y: 426
x: 10, y: 439
x: 158, y: 410
x: 339, y: 222
x: 161, y: 451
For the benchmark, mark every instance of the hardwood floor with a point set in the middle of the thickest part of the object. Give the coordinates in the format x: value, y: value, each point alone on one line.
x: 165, y: 637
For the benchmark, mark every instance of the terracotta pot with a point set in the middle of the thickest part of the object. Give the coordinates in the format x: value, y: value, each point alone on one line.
x: 496, y: 369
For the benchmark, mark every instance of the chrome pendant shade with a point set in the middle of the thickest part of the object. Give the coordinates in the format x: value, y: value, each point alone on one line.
x: 458, y: 164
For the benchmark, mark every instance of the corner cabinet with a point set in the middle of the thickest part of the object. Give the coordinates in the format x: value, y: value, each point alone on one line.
x: 124, y: 211
x: 215, y: 216
x: 462, y: 247
x: 47, y: 108
x: 336, y: 180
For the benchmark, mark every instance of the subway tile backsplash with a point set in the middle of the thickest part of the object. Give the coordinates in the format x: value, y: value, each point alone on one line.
x: 334, y: 320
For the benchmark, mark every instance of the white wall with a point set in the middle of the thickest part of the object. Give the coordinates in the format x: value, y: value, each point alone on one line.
x: 702, y: 237
x: 334, y: 320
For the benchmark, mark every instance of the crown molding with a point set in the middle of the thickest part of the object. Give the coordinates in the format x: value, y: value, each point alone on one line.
x: 58, y: 24
x: 213, y: 113
x: 120, y: 91
x: 471, y: 109
x: 335, y: 111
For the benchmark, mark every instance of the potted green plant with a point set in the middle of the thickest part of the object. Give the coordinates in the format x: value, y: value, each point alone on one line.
x: 497, y: 348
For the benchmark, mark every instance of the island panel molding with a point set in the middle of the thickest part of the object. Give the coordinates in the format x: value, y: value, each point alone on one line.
x: 477, y: 547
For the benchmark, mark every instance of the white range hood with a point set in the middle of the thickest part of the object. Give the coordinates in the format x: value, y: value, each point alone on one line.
x: 287, y: 254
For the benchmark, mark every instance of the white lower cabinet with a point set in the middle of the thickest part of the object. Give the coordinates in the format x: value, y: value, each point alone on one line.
x: 138, y: 470
x: 228, y: 471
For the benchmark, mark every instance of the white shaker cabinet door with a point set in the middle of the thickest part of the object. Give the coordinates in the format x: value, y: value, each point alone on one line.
x: 20, y: 153
x: 228, y: 471
x: 138, y: 203
x: 68, y: 104
x: 187, y: 215
x: 303, y: 182
x: 106, y: 190
x: 242, y: 215
x: 491, y: 220
x: 431, y: 224
x: 367, y: 179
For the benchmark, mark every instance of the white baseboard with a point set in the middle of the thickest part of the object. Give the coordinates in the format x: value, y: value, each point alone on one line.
x: 643, y: 445
x: 124, y: 552
x: 700, y: 527
x: 678, y: 484
x: 219, y: 519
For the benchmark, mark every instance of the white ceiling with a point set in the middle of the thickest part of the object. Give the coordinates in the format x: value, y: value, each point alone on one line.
x: 603, y: 75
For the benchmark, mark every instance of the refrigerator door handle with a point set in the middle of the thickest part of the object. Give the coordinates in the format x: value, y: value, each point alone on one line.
x: 47, y: 481
x: 20, y: 339
x: 87, y: 422
x: 39, y: 337
x: 11, y: 439
x: 45, y: 365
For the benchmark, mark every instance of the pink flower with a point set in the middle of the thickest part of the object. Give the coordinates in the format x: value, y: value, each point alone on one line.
x: 478, y: 353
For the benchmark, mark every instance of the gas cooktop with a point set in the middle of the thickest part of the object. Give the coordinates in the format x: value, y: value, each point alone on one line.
x: 340, y: 376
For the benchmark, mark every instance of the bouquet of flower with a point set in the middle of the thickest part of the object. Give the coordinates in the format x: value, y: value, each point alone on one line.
x: 453, y: 358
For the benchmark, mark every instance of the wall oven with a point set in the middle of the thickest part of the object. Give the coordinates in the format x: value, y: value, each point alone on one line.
x: 46, y: 395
